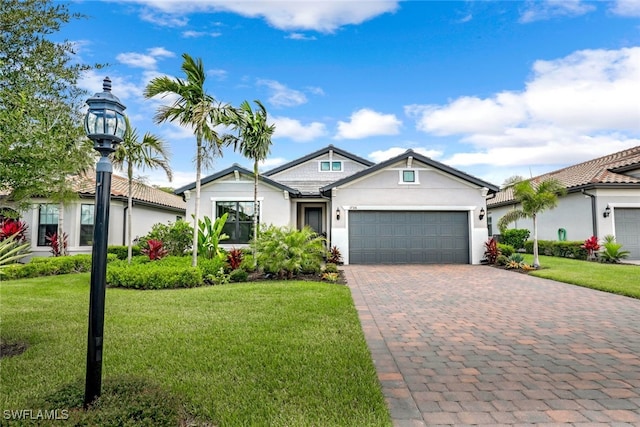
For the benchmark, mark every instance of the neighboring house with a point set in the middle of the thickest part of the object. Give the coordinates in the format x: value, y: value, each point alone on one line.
x: 603, y: 197
x: 408, y: 209
x: 150, y: 206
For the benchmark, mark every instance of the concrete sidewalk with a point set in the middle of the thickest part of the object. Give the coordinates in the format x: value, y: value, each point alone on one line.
x: 474, y: 345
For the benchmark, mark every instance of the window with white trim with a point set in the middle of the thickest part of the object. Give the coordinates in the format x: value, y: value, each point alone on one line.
x: 239, y: 225
x: 86, y: 225
x: 330, y: 166
x: 47, y: 222
x: 409, y: 176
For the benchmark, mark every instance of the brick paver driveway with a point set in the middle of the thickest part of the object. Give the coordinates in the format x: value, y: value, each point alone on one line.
x: 477, y: 345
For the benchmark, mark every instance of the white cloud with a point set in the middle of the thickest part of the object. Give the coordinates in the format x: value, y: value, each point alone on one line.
x: 547, y: 9
x: 574, y: 108
x: 300, y: 36
x: 196, y: 34
x: 281, y: 95
x: 366, y: 122
x: 322, y: 16
x: 382, y: 155
x: 272, y: 163
x: 217, y: 74
x: 296, y: 131
x: 147, y: 60
x: 626, y: 8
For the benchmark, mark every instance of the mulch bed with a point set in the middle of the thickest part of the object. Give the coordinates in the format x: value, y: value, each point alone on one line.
x: 9, y: 349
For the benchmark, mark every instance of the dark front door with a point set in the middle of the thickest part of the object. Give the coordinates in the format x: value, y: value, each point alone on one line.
x: 313, y: 218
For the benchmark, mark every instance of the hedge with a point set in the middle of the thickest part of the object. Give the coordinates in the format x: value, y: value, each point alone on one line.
x: 153, y: 275
x: 565, y: 249
x: 122, y: 251
x: 50, y: 266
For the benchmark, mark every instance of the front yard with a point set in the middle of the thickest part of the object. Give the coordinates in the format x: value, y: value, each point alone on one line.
x: 278, y: 353
x: 620, y: 279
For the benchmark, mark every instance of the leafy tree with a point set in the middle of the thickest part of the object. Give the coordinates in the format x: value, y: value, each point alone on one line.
x: 193, y: 107
x: 511, y: 181
x: 150, y: 152
x: 253, y: 142
x: 534, y: 200
x: 40, y: 106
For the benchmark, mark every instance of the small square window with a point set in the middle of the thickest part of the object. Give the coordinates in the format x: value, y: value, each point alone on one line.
x: 336, y: 166
x: 325, y: 166
x: 408, y: 176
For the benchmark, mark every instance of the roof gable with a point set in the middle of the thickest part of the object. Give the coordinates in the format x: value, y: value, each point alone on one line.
x: 315, y: 154
x: 232, y: 169
x: 615, y: 169
x: 418, y: 157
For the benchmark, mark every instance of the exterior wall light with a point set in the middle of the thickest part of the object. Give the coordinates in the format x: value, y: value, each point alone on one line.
x: 481, y: 216
x: 607, y: 212
x: 338, y: 214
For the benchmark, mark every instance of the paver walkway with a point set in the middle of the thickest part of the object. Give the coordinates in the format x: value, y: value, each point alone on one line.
x: 474, y: 345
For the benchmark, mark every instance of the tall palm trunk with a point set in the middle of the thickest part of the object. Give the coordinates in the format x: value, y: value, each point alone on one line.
x: 194, y: 259
x: 255, y: 207
x: 536, y: 259
x: 60, y: 234
x: 129, y: 213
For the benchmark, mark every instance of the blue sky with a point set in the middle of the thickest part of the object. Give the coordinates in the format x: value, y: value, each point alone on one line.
x: 493, y: 88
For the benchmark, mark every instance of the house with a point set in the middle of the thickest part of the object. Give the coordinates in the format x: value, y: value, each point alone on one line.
x: 603, y: 198
x: 408, y: 209
x: 150, y: 206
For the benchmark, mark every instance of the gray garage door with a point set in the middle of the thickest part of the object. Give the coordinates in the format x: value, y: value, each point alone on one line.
x: 408, y: 237
x: 628, y: 230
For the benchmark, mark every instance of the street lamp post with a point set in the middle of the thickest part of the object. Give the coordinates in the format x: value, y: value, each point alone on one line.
x: 105, y: 126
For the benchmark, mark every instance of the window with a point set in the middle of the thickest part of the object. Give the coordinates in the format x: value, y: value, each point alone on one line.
x: 86, y: 225
x: 47, y: 222
x: 239, y: 225
x: 330, y: 166
x: 409, y: 176
x: 490, y: 225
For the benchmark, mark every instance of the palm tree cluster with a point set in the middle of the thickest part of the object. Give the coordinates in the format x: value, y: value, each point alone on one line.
x: 194, y: 108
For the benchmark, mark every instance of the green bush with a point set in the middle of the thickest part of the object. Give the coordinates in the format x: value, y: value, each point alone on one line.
x: 286, y: 252
x: 515, y: 237
x: 566, y: 249
x: 49, y: 266
x: 122, y: 251
x: 238, y: 275
x: 502, y: 260
x: 176, y: 237
x: 248, y: 262
x: 211, y: 267
x: 154, y: 275
x: 506, y: 250
x: 330, y: 268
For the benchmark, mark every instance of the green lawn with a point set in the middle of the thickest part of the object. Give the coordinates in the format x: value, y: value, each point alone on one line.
x: 620, y: 279
x: 276, y: 353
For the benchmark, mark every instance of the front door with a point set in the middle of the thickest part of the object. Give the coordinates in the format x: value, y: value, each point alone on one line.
x: 313, y: 218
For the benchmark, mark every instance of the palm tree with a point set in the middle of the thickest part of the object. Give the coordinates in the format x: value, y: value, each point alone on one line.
x: 534, y: 200
x: 253, y: 142
x: 150, y: 152
x: 196, y: 109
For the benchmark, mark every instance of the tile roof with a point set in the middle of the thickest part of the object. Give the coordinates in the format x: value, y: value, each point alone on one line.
x: 603, y: 171
x: 86, y: 184
x: 316, y: 154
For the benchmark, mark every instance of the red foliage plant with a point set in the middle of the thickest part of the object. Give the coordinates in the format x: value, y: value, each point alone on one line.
x: 234, y: 258
x: 155, y: 251
x: 335, y: 257
x: 491, y: 250
x: 9, y: 227
x: 56, y: 250
x: 591, y: 245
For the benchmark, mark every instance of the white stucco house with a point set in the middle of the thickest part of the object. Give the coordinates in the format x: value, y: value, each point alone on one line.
x: 150, y: 206
x: 408, y: 209
x: 603, y: 197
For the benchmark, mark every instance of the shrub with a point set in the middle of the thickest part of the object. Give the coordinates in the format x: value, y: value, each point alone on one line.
x: 330, y: 268
x: 238, y: 275
x: 53, y: 240
x: 506, y: 250
x: 491, y: 250
x: 502, y: 260
x: 286, y: 252
x: 48, y: 266
x: 519, y: 258
x: 612, y: 251
x: 248, y: 263
x: 11, y: 250
x: 591, y: 246
x: 219, y: 277
x: 211, y: 267
x: 155, y: 275
x: 234, y: 258
x: 122, y: 251
x: 334, y: 256
x: 515, y: 237
x: 210, y: 235
x: 13, y: 227
x: 565, y: 249
x: 176, y: 237
x: 331, y: 277
x: 154, y: 250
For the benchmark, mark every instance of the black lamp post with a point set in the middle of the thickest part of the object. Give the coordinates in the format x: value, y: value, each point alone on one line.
x: 105, y: 126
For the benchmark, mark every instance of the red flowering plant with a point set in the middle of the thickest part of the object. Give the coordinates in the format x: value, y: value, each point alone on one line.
x: 10, y: 227
x: 54, y: 242
x: 234, y: 258
x: 592, y: 247
x: 155, y: 250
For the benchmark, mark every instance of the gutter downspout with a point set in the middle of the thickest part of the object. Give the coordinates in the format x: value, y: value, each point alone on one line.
x: 124, y: 229
x: 329, y: 218
x: 594, y: 218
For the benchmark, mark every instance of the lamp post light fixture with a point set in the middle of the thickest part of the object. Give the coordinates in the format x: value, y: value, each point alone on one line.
x: 105, y: 126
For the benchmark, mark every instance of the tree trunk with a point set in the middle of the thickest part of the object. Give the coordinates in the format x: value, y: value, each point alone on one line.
x: 536, y: 259
x: 194, y: 259
x: 255, y: 209
x: 129, y: 213
x: 60, y: 232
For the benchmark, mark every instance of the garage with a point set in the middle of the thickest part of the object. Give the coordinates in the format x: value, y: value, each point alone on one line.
x: 408, y: 237
x: 627, y: 222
